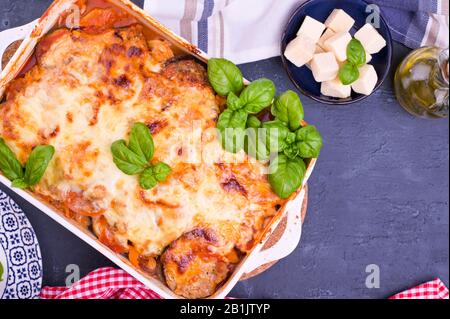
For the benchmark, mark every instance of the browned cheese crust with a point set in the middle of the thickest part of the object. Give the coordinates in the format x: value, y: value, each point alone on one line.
x: 85, y: 92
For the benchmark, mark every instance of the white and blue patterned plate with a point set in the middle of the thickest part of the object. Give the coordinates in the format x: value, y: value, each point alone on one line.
x: 20, y: 255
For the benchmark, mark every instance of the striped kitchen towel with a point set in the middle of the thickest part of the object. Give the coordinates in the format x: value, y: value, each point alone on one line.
x: 250, y: 30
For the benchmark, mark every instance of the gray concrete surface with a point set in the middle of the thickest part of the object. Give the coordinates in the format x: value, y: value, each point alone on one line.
x: 379, y: 196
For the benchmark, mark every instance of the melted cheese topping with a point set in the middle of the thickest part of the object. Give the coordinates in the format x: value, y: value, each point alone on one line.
x: 86, y: 91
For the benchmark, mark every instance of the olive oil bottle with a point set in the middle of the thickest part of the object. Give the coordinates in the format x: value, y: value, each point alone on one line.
x: 422, y: 83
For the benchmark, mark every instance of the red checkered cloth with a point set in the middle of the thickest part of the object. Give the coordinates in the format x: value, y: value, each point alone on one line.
x: 111, y: 283
x: 434, y: 289
x: 103, y: 283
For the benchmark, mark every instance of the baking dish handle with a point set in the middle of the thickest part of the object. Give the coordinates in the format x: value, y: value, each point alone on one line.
x: 11, y: 35
x: 287, y: 242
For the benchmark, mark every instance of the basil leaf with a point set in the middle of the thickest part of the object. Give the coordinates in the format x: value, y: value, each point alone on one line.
x: 234, y: 102
x: 291, y: 151
x: 255, y: 144
x: 286, y: 175
x: 289, y: 109
x: 225, y: 77
x: 147, y: 180
x: 141, y: 141
x: 9, y: 165
x: 232, y: 119
x: 154, y: 174
x: 253, y: 122
x: 356, y: 54
x: 37, y: 163
x: 309, y: 142
x: 276, y: 134
x: 348, y: 73
x: 290, y: 138
x: 258, y: 95
x: 126, y: 160
x: 233, y: 139
x: 19, y: 183
x: 231, y: 126
x: 161, y: 171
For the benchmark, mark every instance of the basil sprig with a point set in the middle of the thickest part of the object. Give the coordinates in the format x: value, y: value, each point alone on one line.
x: 286, y: 142
x: 35, y: 166
x: 287, y: 169
x: 356, y: 57
x: 289, y: 147
x: 227, y: 81
x: 283, y: 139
x: 134, y: 158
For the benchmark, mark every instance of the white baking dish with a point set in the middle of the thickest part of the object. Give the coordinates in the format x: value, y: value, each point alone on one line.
x: 31, y: 34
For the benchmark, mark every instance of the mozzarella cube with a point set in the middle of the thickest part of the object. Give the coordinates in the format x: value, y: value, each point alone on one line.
x: 325, y: 36
x: 335, y: 88
x: 319, y: 49
x: 368, y: 57
x: 300, y: 50
x: 338, y: 45
x: 311, y: 28
x: 339, y: 21
x: 324, y: 67
x: 371, y: 40
x: 367, y: 80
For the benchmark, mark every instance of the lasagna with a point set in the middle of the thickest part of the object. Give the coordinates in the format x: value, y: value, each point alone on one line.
x: 85, y: 91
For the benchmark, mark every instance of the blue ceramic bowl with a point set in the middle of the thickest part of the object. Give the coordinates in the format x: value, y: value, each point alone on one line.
x: 320, y: 10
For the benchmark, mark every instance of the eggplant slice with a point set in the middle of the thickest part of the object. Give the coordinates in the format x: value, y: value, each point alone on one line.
x: 194, y: 265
